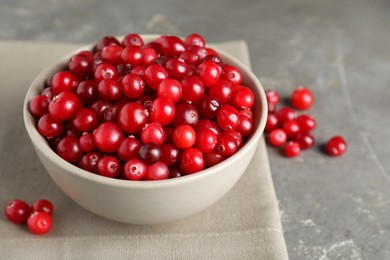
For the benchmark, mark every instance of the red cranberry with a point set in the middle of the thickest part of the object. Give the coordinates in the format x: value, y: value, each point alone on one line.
x: 190, y: 57
x: 86, y: 143
x: 170, y: 154
x: 109, y: 89
x: 39, y: 223
x: 132, y: 39
x: 213, y: 158
x: 49, y: 126
x: 206, y: 141
x: 207, y: 124
x: 107, y: 137
x: 302, y: 98
x: 157, y: 171
x: 112, y: 112
x: 245, y: 125
x: 105, y: 71
x: 291, y: 149
x: 87, y: 91
x: 291, y: 128
x: 184, y: 136
x: 226, y: 145
x: 305, y: 140
x: 42, y: 205
x: 227, y: 118
x: 62, y: 81
x: 149, y: 153
x: 176, y: 68
x: 100, y: 107
x: 128, y: 148
x: 200, y: 51
x: 162, y: 111
x: 154, y: 74
x: 273, y: 99
x: 193, y: 89
x: 277, y: 137
x: 132, y: 118
x: 17, y: 211
x: 232, y: 74
x: 285, y: 114
x: 174, y: 172
x: 106, y: 41
x: 133, y: 55
x: 133, y: 86
x: 336, y: 146
x: 153, y: 133
x: 81, y: 64
x: 208, y: 72
x: 150, y: 56
x: 195, y: 39
x: 306, y: 123
x: 39, y: 105
x: 109, y: 166
x: 172, y: 45
x: 208, y: 107
x: 89, y: 161
x: 192, y: 161
x: 139, y: 70
x: 244, y: 98
x: 186, y: 114
x: 222, y: 91
x: 85, y: 120
x: 171, y: 89
x: 216, y: 59
x: 64, y: 105
x: 69, y: 149
x: 112, y: 54
x: 134, y: 170
x: 236, y: 135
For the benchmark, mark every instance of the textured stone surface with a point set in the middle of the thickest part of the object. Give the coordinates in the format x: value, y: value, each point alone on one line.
x: 331, y: 208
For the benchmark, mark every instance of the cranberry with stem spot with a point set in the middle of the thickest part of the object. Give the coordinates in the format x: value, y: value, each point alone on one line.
x: 336, y: 146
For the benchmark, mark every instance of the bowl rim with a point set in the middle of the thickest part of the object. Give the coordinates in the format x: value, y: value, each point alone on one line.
x: 41, y: 144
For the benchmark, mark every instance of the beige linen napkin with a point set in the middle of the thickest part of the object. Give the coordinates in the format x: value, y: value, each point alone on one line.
x: 245, y: 224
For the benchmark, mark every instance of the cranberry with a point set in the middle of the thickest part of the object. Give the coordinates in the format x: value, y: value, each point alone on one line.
x: 245, y: 125
x: 109, y: 166
x: 227, y: 118
x: 17, y: 211
x: 200, y: 51
x: 109, y: 89
x: 170, y: 154
x: 291, y: 128
x: 150, y: 153
x: 112, y: 54
x: 306, y: 123
x: 184, y: 136
x: 191, y: 161
x: 139, y: 70
x: 174, y: 172
x: 128, y: 148
x: 208, y: 107
x: 132, y: 118
x: 157, y: 171
x: 232, y: 74
x: 150, y: 56
x: 216, y: 59
x: 302, y: 98
x: 133, y: 85
x: 39, y: 106
x: 277, y: 137
x: 49, y: 126
x: 85, y: 120
x: 291, y: 149
x: 171, y: 89
x: 86, y: 143
x: 48, y: 92
x: 193, y: 89
x: 62, y: 81
x: 207, y: 124
x: 162, y: 111
x: 133, y: 55
x: 107, y: 137
x: 190, y: 57
x: 222, y: 91
x: 213, y: 158
x: 172, y: 45
x: 69, y: 149
x: 185, y: 114
x: 81, y: 64
x: 206, y: 141
x: 106, y: 41
x: 243, y: 98
x: 273, y: 99
x: 105, y: 71
x: 208, y: 72
x: 195, y: 39
x: 153, y: 133
x: 226, y: 145
x: 42, y: 205
x: 305, y: 140
x: 64, y: 105
x: 236, y: 135
x: 285, y: 114
x: 134, y: 170
x: 154, y: 74
x: 176, y: 68
x: 87, y: 91
x: 336, y: 146
x: 100, y: 107
x: 132, y: 39
x: 89, y: 161
x: 112, y: 112
x: 39, y: 223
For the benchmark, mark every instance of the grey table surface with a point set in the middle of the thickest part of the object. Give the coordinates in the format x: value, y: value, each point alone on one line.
x: 332, y: 208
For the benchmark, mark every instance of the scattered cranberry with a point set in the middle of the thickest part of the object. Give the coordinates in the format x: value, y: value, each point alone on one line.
x: 39, y: 222
x: 302, y: 98
x: 291, y: 149
x: 277, y: 137
x: 42, y: 205
x: 336, y: 146
x: 17, y: 211
x: 273, y: 99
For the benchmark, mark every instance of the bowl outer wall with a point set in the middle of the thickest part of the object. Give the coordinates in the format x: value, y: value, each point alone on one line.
x: 153, y: 201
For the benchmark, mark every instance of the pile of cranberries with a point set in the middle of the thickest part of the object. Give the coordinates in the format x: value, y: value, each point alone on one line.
x: 37, y: 216
x: 140, y: 111
x: 292, y: 132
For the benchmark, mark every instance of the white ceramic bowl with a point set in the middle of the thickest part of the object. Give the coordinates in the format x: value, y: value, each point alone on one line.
x: 146, y: 202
